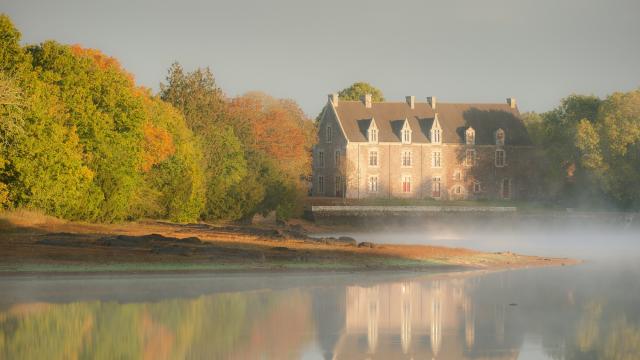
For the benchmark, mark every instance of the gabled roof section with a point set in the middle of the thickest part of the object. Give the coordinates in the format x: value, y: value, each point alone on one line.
x: 485, y: 119
x: 454, y: 119
x: 389, y: 117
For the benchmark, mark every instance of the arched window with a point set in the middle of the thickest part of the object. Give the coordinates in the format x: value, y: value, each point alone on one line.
x: 329, y: 134
x: 470, y: 136
x: 500, y: 137
x: 436, y: 131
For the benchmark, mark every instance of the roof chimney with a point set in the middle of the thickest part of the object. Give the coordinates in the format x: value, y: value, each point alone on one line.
x: 432, y: 101
x: 366, y: 99
x: 511, y: 102
x: 411, y: 100
x: 333, y: 98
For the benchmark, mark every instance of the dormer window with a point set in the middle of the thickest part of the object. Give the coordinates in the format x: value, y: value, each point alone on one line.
x: 372, y: 133
x: 329, y: 134
x: 436, y: 131
x: 405, y: 132
x: 470, y: 136
x: 406, y: 136
x: 500, y: 137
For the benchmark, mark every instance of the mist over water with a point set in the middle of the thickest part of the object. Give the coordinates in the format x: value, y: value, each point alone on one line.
x: 586, y: 238
x: 587, y: 311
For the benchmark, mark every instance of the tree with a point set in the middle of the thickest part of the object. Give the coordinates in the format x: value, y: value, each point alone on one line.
x: 107, y: 112
x: 278, y: 137
x: 613, y: 152
x: 12, y: 55
x: 173, y: 171
x: 564, y: 175
x: 358, y: 89
x: 198, y: 97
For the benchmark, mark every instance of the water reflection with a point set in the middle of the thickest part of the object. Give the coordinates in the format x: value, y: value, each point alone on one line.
x: 461, y: 316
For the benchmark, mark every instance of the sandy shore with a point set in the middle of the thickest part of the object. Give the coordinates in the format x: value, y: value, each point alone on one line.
x: 44, y: 245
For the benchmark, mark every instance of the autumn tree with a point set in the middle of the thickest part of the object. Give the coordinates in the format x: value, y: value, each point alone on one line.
x: 278, y: 137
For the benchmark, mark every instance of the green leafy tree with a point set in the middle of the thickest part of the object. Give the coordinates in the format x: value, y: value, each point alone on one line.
x: 175, y: 183
x: 41, y: 159
x: 614, y: 153
x: 197, y: 96
x: 358, y: 89
x: 102, y: 105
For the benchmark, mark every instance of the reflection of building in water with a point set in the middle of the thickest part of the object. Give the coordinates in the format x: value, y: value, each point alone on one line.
x: 434, y: 320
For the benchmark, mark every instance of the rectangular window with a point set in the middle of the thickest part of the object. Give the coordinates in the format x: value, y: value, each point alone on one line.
x: 435, y: 187
x: 506, y: 188
x: 457, y: 175
x: 321, y: 159
x: 435, y: 136
x: 338, y: 186
x: 373, y: 135
x: 338, y: 156
x: 329, y: 134
x: 373, y: 184
x: 321, y: 185
x: 436, y: 161
x: 476, y: 187
x: 406, y: 184
x: 470, y: 158
x: 500, y: 157
x: 373, y: 158
x: 406, y: 158
x: 406, y: 137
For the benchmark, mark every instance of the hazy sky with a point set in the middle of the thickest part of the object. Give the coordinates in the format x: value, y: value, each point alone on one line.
x: 537, y: 51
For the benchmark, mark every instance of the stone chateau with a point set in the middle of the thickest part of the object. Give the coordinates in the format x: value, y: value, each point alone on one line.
x: 421, y: 150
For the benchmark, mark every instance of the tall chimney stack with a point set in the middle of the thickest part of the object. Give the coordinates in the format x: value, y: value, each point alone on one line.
x: 511, y: 102
x: 366, y: 100
x: 334, y: 99
x: 432, y: 101
x: 411, y: 100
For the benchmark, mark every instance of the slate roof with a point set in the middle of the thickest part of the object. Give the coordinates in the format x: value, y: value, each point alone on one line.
x: 454, y: 119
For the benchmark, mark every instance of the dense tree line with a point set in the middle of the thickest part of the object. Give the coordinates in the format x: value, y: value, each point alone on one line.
x: 81, y: 140
x: 590, y: 150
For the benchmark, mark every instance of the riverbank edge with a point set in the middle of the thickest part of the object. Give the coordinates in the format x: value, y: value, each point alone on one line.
x: 48, y: 246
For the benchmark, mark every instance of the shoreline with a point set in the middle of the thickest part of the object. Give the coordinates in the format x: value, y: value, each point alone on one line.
x: 47, y: 246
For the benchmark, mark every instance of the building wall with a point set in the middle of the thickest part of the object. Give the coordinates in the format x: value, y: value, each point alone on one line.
x: 390, y: 171
x: 354, y: 169
x: 338, y: 142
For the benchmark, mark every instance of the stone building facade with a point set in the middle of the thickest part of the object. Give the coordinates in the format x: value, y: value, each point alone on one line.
x: 421, y: 150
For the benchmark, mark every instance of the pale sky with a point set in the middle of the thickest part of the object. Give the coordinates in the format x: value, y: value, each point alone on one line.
x: 537, y: 51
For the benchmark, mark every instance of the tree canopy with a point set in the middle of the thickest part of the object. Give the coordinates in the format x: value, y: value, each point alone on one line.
x: 81, y: 140
x: 591, y: 149
x: 358, y: 89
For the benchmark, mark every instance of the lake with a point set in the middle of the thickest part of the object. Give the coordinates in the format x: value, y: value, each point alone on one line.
x: 588, y: 311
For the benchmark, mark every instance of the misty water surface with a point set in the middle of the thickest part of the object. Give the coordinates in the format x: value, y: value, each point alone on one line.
x: 589, y: 311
